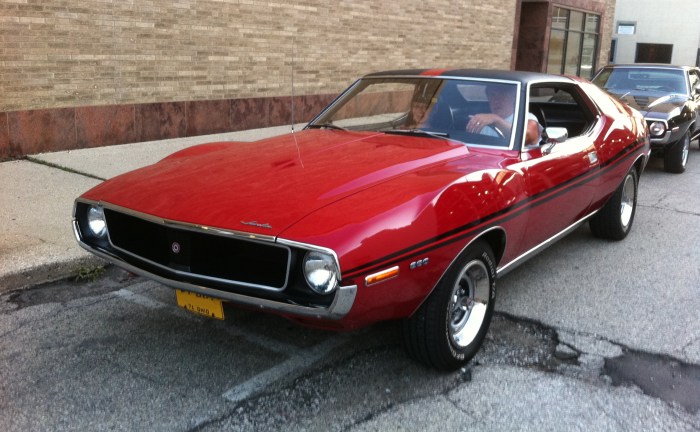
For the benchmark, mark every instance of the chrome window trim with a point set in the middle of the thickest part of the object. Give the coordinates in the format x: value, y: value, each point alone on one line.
x: 597, y: 113
x: 516, y: 113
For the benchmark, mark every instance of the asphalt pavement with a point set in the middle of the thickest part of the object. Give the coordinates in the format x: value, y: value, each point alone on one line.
x: 598, y: 310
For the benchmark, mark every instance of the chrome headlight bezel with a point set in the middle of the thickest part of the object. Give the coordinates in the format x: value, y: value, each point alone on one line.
x: 96, y: 221
x: 321, y: 271
x: 657, y: 128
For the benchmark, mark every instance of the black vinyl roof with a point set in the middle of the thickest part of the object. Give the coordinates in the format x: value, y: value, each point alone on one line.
x: 649, y: 65
x: 507, y: 75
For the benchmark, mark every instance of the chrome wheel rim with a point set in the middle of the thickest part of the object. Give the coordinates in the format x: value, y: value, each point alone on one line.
x: 627, y: 201
x: 685, y: 150
x: 468, y: 303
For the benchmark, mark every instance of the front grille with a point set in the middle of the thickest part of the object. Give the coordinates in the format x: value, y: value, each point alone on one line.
x: 200, y: 254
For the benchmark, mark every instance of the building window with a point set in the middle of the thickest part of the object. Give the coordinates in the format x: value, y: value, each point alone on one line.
x: 653, y: 53
x: 613, y: 50
x: 573, y: 42
x: 626, y: 28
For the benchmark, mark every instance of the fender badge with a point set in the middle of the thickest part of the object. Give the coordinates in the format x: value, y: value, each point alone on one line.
x: 256, y: 224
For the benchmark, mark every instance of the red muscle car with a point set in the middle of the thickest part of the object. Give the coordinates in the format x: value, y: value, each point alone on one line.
x: 404, y: 199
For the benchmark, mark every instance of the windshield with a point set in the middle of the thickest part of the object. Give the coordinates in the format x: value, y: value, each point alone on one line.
x: 627, y: 80
x: 435, y: 107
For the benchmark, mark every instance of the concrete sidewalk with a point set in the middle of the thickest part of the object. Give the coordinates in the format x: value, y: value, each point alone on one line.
x: 36, y: 202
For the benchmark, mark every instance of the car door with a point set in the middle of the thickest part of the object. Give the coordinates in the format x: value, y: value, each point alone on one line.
x: 560, y: 179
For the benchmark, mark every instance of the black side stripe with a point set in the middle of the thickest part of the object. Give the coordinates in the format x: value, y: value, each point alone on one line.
x: 500, y: 216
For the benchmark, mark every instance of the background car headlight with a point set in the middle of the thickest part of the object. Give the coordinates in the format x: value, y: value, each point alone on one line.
x: 96, y: 221
x: 657, y: 128
x: 321, y: 272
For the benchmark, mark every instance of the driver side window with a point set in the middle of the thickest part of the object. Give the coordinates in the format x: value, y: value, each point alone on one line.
x: 561, y: 107
x: 694, y: 83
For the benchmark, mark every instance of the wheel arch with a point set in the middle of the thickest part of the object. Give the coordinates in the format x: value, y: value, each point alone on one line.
x: 640, y: 164
x: 494, y: 237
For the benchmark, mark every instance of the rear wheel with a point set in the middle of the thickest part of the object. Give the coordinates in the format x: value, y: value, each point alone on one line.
x: 614, y: 220
x: 676, y: 157
x: 450, y: 326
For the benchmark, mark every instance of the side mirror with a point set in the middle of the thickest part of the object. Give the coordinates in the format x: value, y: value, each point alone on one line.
x: 552, y: 137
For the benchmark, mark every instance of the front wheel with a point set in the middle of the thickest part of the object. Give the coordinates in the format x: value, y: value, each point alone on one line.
x: 450, y: 326
x: 614, y: 220
x: 676, y: 156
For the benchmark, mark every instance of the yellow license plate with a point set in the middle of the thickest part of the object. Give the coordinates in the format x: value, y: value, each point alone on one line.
x: 200, y: 304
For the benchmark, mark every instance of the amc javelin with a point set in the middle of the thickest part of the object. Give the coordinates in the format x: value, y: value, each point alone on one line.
x: 404, y: 199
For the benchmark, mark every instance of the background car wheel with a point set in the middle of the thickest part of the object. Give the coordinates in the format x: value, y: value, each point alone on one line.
x: 614, y: 220
x: 450, y: 326
x: 676, y: 157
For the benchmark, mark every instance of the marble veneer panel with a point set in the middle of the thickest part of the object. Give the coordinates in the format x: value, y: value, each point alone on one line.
x: 6, y: 151
x: 106, y: 125
x: 281, y: 111
x: 208, y: 117
x: 249, y: 113
x: 162, y: 120
x: 37, y: 131
x: 312, y: 105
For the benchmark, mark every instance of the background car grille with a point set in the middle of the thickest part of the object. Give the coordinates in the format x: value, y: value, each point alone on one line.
x: 198, y: 253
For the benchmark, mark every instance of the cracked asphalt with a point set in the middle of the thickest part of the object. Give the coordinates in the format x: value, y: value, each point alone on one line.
x: 589, y: 335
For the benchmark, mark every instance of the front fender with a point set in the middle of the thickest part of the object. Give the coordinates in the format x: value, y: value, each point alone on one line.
x: 418, y: 223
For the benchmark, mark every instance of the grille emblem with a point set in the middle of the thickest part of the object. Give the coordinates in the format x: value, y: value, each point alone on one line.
x: 175, y: 247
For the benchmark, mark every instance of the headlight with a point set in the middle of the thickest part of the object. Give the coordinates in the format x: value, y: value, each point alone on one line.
x: 657, y: 128
x: 96, y: 221
x: 321, y: 272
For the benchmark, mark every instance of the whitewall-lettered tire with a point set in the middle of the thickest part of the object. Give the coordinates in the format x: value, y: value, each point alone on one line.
x: 450, y: 326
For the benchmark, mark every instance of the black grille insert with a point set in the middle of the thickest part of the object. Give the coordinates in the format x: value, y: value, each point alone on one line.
x: 200, y: 253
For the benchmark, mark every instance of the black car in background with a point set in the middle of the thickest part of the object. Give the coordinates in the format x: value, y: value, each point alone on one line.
x: 668, y: 97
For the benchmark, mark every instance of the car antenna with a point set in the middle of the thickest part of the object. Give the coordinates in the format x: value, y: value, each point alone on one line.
x: 295, y: 137
x: 293, y: 53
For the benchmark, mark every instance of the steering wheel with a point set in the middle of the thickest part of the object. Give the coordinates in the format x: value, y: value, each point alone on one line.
x: 541, y: 117
x: 496, y: 130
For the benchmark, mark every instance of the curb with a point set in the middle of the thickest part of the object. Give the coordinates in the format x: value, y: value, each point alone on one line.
x: 45, y: 273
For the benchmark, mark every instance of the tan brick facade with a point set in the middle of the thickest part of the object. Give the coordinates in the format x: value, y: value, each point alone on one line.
x: 67, y: 53
x: 83, y: 73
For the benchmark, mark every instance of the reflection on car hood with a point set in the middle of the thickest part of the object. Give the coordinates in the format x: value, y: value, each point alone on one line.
x: 265, y: 186
x: 646, y: 102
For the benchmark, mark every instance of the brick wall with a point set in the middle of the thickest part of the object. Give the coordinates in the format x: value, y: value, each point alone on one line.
x: 64, y: 53
x: 119, y: 65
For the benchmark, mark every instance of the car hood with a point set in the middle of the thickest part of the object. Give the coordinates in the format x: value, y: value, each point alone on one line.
x: 646, y: 102
x: 266, y: 186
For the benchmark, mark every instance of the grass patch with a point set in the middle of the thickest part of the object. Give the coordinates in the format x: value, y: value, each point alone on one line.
x: 89, y: 274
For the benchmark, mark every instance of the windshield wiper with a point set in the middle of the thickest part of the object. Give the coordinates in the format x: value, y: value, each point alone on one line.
x: 417, y: 132
x: 326, y: 126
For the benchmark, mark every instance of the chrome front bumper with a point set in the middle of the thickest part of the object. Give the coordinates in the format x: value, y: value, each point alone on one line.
x: 341, y: 305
